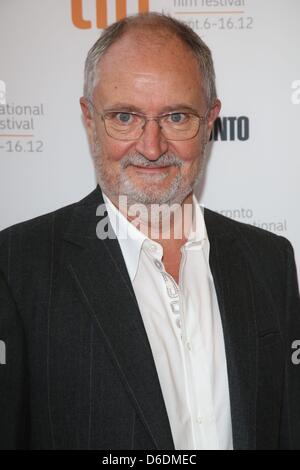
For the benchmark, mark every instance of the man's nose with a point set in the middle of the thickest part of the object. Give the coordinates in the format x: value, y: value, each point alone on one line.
x: 152, y: 144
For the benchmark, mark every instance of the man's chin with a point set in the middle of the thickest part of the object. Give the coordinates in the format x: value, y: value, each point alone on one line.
x: 155, y: 195
x: 145, y: 198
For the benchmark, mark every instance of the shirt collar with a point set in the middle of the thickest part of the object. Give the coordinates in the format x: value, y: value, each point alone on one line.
x: 131, y: 239
x: 198, y: 231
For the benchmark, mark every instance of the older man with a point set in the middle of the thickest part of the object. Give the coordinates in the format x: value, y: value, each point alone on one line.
x: 134, y: 319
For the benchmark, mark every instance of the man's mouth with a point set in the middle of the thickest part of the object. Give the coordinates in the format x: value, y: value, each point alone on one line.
x: 154, y: 169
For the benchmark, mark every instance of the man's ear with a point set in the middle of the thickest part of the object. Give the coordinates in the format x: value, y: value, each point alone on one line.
x: 212, y: 116
x: 87, y: 116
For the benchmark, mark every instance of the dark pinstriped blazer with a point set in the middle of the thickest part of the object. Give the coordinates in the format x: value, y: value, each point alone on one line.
x: 79, y: 371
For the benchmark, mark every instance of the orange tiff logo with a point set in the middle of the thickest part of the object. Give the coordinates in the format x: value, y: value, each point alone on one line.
x: 101, y: 12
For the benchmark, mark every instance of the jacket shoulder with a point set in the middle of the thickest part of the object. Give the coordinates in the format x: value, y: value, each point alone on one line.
x: 27, y: 246
x: 40, y: 226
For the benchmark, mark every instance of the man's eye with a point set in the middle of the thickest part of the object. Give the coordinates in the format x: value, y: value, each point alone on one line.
x: 177, y: 118
x: 124, y: 118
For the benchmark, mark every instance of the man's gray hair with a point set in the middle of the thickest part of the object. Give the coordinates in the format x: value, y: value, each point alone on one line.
x: 155, y: 21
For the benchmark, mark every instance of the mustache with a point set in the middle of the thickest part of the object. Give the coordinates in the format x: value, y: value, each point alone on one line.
x: 138, y: 159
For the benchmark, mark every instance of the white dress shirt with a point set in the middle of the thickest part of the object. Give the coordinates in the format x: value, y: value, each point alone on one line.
x: 185, y: 332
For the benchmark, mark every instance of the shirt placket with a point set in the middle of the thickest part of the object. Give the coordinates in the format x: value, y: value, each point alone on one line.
x: 176, y: 311
x: 203, y: 424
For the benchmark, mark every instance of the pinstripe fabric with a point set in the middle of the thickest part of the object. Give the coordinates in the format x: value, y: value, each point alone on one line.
x: 80, y: 372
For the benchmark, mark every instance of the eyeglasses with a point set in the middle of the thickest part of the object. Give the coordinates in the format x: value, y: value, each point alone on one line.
x: 127, y: 126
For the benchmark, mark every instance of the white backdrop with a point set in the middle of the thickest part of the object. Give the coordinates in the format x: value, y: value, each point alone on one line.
x: 252, y: 174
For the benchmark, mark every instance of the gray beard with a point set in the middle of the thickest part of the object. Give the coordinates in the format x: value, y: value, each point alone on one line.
x: 176, y: 193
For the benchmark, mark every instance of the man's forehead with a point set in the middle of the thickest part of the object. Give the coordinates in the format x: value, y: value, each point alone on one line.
x: 149, y: 83
x: 129, y: 70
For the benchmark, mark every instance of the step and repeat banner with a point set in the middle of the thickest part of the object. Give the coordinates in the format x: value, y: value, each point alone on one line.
x: 254, y: 157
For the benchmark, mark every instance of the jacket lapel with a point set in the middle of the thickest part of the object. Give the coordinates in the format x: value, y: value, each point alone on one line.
x: 233, y: 284
x: 98, y: 269
x: 99, y: 272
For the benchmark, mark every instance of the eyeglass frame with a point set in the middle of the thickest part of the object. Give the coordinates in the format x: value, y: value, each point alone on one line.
x: 202, y: 119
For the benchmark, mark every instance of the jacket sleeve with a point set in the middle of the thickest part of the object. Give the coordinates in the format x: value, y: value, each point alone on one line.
x: 290, y: 416
x: 14, y: 375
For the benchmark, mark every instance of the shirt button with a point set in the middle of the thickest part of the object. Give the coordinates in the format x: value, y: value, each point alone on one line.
x: 189, y: 346
x: 199, y: 420
x: 175, y: 307
x: 158, y: 264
